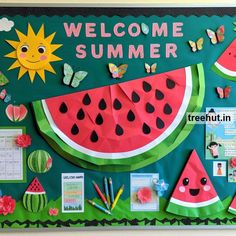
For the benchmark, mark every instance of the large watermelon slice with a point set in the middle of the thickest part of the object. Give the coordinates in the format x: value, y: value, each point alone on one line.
x: 232, y: 207
x: 194, y: 194
x: 124, y: 126
x: 225, y: 66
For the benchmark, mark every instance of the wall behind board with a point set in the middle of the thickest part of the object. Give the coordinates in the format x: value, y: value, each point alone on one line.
x: 134, y: 3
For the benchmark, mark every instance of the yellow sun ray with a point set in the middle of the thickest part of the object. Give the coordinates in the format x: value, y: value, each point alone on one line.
x: 33, y: 53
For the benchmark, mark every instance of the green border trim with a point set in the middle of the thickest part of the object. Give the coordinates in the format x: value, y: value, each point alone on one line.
x: 135, y: 162
x: 222, y: 74
x: 24, y: 180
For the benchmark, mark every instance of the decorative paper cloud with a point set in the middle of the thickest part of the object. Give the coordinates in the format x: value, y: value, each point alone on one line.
x: 5, y: 24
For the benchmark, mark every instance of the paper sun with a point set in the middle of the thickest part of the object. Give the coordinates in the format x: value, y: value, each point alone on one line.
x: 33, y: 53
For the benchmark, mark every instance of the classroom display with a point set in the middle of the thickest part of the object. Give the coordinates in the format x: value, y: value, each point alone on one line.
x: 117, y: 119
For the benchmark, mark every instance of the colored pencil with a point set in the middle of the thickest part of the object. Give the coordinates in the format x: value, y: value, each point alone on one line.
x: 111, y: 190
x: 117, y: 197
x: 99, y: 207
x: 106, y: 191
x: 100, y: 194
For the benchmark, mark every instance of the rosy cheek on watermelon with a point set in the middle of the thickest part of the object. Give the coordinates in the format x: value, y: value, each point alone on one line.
x: 207, y: 188
x: 182, y: 189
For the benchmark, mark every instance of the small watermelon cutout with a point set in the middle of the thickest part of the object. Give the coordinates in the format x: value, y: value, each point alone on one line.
x: 194, y: 194
x: 39, y: 161
x: 124, y: 126
x: 232, y: 207
x: 225, y: 66
x: 35, y: 198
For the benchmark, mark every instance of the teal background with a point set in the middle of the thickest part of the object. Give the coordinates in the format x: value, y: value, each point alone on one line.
x: 23, y: 91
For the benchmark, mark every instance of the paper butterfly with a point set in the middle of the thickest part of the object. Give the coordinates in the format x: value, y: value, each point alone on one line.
x: 160, y: 186
x: 150, y: 69
x: 117, y: 72
x: 71, y: 78
x: 196, y: 46
x: 53, y: 211
x: 144, y: 28
x: 3, y: 79
x: 223, y: 92
x: 4, y: 96
x: 234, y: 23
x: 218, y: 36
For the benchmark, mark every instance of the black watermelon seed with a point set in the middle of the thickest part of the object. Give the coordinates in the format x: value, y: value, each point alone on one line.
x: 86, y: 100
x: 146, y: 86
x: 74, y: 129
x: 80, y: 114
x: 159, y: 95
x: 119, y: 130
x: 146, y: 129
x: 94, y: 137
x: 116, y: 104
x: 99, y: 119
x: 167, y: 109
x: 63, y: 108
x: 149, y: 108
x: 130, y: 116
x: 170, y: 83
x: 159, y: 123
x: 135, y: 97
x: 102, y: 104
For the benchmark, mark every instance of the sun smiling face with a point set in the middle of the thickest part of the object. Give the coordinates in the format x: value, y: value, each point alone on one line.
x: 33, y: 53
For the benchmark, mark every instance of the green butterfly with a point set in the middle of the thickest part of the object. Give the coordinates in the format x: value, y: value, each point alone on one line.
x: 3, y: 79
x: 71, y: 78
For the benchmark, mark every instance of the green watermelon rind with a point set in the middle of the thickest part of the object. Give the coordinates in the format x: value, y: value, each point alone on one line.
x: 201, y: 211
x: 222, y: 73
x: 35, y: 202
x: 127, y: 164
x: 232, y: 210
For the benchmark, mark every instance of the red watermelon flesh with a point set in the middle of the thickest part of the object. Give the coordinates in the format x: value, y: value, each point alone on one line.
x: 194, y: 191
x: 232, y: 207
x: 35, y: 187
x: 105, y: 122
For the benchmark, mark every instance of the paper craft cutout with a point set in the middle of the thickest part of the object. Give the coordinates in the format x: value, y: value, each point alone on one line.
x: 5, y: 24
x: 150, y: 69
x: 53, y: 211
x: 232, y: 207
x: 213, y: 147
x: 78, y: 120
x: 218, y: 36
x: 144, y: 28
x: 71, y: 78
x: 144, y: 195
x: 223, y: 92
x: 40, y: 161
x: 196, y: 46
x: 160, y: 186
x: 23, y: 140
x: 3, y: 79
x: 35, y: 198
x: 234, y: 23
x: 16, y: 113
x: 7, y: 205
x: 117, y: 72
x: 5, y: 96
x: 33, y: 53
x: 225, y: 66
x: 194, y: 194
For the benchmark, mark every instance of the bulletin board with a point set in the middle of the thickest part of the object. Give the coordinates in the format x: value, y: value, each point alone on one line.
x: 95, y: 130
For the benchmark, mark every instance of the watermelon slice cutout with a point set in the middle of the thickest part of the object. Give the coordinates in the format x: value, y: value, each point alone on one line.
x: 124, y: 126
x: 232, y: 207
x: 35, y: 187
x: 194, y: 194
x: 225, y: 66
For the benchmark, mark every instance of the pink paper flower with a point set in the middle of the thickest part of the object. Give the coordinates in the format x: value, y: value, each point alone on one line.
x: 7, y: 205
x: 23, y: 140
x: 53, y: 211
x: 233, y: 162
x: 144, y: 195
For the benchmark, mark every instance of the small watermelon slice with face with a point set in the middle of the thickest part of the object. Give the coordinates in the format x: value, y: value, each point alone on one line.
x: 194, y: 194
x: 124, y: 126
x: 232, y: 207
x: 225, y: 66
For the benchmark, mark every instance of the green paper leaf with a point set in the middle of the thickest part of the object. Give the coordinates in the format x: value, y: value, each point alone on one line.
x: 3, y: 79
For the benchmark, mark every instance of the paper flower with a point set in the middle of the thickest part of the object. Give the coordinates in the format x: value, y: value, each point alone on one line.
x: 233, y: 162
x: 144, y: 195
x: 160, y: 187
x: 7, y: 205
x: 23, y: 140
x: 53, y: 211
